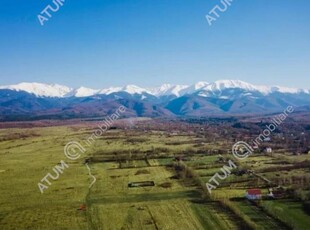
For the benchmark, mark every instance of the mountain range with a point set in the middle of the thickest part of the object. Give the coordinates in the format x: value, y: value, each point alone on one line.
x: 223, y: 97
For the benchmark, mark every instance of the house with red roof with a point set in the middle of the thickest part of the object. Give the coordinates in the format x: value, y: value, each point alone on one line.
x: 253, y: 194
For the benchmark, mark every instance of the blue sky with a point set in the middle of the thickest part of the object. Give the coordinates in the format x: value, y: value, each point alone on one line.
x: 101, y: 43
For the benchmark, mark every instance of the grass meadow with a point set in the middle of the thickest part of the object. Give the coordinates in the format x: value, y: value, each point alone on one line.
x: 116, y: 159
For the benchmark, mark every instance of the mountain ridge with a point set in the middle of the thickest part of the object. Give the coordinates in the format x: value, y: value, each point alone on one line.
x: 56, y: 90
x: 223, y: 97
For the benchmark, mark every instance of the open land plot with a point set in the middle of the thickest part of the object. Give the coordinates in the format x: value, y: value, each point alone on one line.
x: 288, y: 211
x: 117, y: 158
x: 116, y: 206
x: 25, y: 162
x: 259, y: 216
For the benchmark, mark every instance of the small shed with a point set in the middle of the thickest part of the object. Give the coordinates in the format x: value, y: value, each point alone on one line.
x: 253, y: 194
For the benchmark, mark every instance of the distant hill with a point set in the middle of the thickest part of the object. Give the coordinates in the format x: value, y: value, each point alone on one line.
x: 38, y: 101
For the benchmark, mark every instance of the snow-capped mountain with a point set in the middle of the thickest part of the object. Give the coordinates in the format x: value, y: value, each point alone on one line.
x: 232, y: 84
x: 82, y: 92
x: 167, y: 90
x: 199, y: 88
x: 109, y: 90
x: 194, y: 88
x: 200, y: 99
x: 40, y: 89
x: 287, y: 90
x: 55, y: 90
x: 237, y: 84
x: 133, y: 89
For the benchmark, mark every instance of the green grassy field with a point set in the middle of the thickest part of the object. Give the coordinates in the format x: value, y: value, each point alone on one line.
x: 117, y: 158
x: 289, y: 211
x: 24, y: 162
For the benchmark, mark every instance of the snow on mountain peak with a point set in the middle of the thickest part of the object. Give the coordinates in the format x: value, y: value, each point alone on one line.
x: 133, y: 89
x: 40, y: 90
x: 224, y: 84
x: 167, y: 89
x: 200, y: 84
x: 235, y: 84
x: 201, y: 88
x: 195, y: 87
x: 82, y: 92
x: 281, y: 89
x: 109, y: 90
